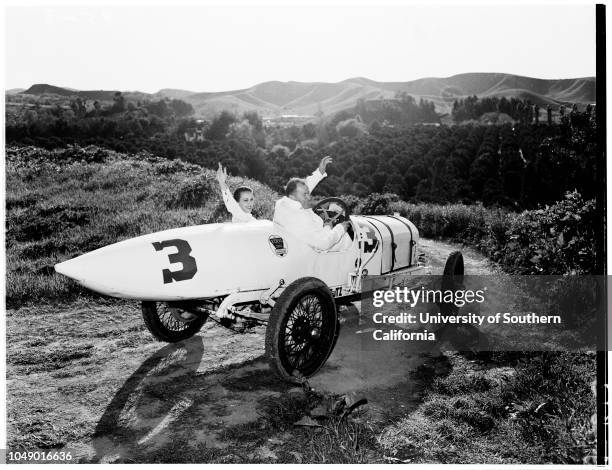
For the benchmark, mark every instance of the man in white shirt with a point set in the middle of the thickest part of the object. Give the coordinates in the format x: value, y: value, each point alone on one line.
x: 292, y: 212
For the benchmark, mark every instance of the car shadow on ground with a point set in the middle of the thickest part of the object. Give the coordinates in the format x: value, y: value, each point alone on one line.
x: 166, y: 399
x: 167, y: 402
x: 159, y: 375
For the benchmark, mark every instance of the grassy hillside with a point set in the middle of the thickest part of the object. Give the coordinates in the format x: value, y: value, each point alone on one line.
x: 67, y: 202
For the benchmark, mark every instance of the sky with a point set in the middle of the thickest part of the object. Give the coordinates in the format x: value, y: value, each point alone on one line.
x: 216, y: 48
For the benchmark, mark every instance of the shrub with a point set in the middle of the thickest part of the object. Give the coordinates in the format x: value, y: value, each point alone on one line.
x: 352, y: 202
x: 16, y: 202
x: 577, y: 299
x: 170, y: 167
x: 191, y: 193
x: 377, y: 204
x: 36, y: 223
x: 558, y: 239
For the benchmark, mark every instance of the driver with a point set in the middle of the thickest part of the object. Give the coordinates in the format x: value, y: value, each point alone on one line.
x: 293, y: 213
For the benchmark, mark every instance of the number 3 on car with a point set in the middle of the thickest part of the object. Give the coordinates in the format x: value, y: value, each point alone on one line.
x: 181, y: 256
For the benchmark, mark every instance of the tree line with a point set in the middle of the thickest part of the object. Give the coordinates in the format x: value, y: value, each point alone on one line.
x: 524, y: 111
x: 514, y: 165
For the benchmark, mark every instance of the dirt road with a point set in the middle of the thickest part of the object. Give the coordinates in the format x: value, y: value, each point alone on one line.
x: 87, y: 377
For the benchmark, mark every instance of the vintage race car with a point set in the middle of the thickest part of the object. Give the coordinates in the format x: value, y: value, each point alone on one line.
x: 255, y: 271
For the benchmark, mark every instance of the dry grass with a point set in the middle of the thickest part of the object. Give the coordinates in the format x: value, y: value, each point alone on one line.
x: 536, y: 411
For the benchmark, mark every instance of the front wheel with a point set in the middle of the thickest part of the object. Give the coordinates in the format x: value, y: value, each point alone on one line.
x: 170, y: 324
x: 302, y: 330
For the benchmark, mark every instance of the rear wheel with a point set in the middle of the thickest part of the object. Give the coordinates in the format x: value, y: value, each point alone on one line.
x: 454, y: 266
x: 452, y: 279
x: 302, y: 330
x: 170, y: 324
x: 462, y: 337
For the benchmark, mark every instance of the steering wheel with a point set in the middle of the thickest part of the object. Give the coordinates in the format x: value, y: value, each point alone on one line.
x: 332, y: 209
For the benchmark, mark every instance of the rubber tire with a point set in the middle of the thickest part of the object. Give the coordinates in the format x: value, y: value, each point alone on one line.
x: 452, y: 279
x: 160, y: 332
x: 454, y: 264
x: 463, y: 337
x: 284, y: 304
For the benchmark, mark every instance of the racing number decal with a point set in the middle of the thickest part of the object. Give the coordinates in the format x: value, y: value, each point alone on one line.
x: 181, y: 256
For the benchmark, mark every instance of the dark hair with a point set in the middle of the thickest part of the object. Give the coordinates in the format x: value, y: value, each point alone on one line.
x: 240, y: 190
x: 292, y: 185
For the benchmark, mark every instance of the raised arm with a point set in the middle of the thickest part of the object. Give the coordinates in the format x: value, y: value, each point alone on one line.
x: 317, y: 176
x: 230, y: 203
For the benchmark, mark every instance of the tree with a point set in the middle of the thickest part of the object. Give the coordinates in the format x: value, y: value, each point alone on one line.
x: 378, y: 181
x: 350, y: 128
x: 395, y: 184
x: 549, y: 114
x: 118, y: 103
x: 159, y: 108
x: 254, y: 120
x: 242, y: 130
x: 180, y: 108
x: 375, y: 127
x: 322, y: 133
x: 309, y: 130
x: 78, y: 107
x: 220, y: 125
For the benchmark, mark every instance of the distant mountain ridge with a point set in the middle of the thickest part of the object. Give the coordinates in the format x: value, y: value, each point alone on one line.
x: 276, y: 98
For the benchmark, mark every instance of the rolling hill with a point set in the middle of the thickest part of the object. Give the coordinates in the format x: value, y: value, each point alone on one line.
x: 173, y: 93
x: 307, y: 98
x: 100, y: 95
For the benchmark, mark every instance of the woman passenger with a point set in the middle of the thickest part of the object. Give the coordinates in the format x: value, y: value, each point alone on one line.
x: 241, y: 203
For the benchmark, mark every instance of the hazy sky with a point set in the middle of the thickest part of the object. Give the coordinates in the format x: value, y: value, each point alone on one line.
x: 206, y: 48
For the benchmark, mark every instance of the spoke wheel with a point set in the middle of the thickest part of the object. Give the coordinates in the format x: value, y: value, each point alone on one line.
x: 303, y: 329
x: 170, y: 324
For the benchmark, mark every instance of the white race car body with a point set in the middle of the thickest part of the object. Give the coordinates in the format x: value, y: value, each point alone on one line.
x: 255, y: 273
x: 248, y: 261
